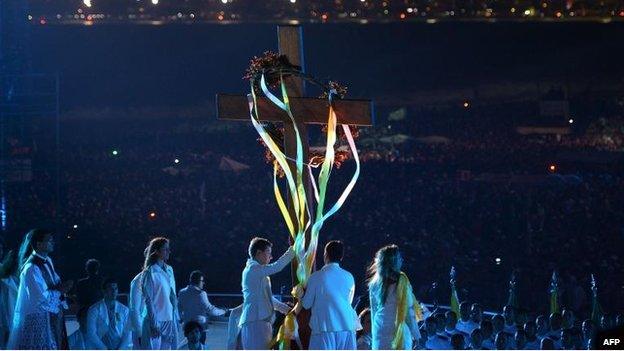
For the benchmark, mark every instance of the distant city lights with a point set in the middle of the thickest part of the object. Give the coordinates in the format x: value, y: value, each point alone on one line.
x: 338, y: 11
x: 75, y: 226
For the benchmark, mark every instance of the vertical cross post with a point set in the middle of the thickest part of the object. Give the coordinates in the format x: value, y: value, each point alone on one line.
x: 290, y: 43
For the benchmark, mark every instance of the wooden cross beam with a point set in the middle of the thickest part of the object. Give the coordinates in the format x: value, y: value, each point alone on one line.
x: 311, y: 110
x: 305, y: 111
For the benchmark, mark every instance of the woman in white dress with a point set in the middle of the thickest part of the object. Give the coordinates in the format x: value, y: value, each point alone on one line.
x: 393, y: 317
x: 160, y: 324
x: 8, y: 295
x: 38, y: 321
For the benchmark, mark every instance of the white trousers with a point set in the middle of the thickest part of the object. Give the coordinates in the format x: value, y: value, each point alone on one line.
x: 167, y: 340
x: 256, y: 335
x: 342, y: 340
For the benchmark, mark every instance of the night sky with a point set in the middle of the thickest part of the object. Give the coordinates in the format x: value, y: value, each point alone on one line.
x: 130, y: 65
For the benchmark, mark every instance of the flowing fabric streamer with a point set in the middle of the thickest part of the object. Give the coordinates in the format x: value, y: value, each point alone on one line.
x: 305, y: 257
x: 404, y: 290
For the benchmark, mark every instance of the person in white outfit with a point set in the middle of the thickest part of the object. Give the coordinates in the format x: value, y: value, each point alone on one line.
x: 391, y: 302
x: 9, y: 282
x: 137, y: 310
x: 160, y: 324
x: 108, y: 321
x: 233, y: 334
x: 193, y: 302
x: 329, y: 294
x: 258, y: 302
x: 38, y: 321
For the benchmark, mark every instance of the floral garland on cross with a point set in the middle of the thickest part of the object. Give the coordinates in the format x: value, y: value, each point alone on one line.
x: 271, y: 64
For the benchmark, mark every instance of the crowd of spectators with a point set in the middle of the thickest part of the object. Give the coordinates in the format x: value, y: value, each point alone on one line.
x: 125, y: 181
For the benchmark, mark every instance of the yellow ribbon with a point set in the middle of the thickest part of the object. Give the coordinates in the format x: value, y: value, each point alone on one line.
x: 404, y: 290
x: 297, y: 193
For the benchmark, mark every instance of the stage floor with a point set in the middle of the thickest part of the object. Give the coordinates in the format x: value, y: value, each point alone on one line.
x: 216, y: 338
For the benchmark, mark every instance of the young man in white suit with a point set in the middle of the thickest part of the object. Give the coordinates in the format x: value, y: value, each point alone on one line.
x: 107, y: 321
x: 258, y: 302
x: 329, y: 295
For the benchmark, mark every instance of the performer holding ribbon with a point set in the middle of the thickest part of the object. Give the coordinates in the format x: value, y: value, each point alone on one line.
x: 394, y: 309
x: 258, y: 302
x: 271, y: 71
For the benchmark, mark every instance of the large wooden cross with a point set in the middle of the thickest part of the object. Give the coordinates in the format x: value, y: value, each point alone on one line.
x: 306, y: 110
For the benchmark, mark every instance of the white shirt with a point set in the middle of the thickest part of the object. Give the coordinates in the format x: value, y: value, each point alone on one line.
x: 194, y: 305
x: 100, y: 333
x: 185, y: 346
x: 137, y: 304
x: 159, y: 291
x: 436, y: 342
x: 466, y: 327
x: 329, y: 294
x: 258, y: 300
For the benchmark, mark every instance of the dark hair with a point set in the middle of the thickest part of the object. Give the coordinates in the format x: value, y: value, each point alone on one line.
x: 450, y: 314
x: 555, y: 320
x: 195, y: 277
x: 500, y: 341
x: 258, y: 244
x: 9, y: 265
x: 476, y: 331
x: 498, y: 318
x: 334, y: 250
x: 547, y: 344
x: 108, y: 281
x: 29, y: 243
x: 190, y: 326
x: 151, y: 251
x: 385, y: 270
x: 92, y: 266
x: 485, y: 324
x: 457, y: 341
x: 589, y: 322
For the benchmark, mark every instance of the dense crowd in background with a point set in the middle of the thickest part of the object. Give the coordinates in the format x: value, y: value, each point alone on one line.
x: 120, y: 186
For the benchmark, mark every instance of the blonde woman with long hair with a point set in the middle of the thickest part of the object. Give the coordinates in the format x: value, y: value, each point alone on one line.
x: 392, y: 302
x: 160, y: 324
